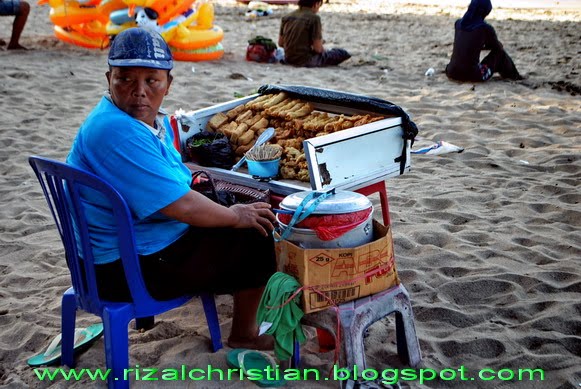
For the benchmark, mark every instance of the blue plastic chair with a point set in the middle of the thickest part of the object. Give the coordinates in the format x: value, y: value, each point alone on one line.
x: 61, y: 185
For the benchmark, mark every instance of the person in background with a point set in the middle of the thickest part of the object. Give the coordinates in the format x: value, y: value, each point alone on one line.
x: 20, y: 9
x: 472, y: 35
x: 301, y: 37
x: 186, y: 242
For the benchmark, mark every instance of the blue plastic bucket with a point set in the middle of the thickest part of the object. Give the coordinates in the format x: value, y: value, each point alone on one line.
x: 264, y: 169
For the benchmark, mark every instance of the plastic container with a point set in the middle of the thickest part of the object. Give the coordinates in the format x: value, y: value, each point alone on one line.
x: 263, y: 169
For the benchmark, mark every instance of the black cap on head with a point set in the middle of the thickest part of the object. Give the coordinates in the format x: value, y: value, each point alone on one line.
x: 140, y: 47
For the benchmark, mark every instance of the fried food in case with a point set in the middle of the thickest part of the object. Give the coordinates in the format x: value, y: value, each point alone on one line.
x: 293, y: 119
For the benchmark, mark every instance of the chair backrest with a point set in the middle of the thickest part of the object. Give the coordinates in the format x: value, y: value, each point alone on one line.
x: 62, y: 185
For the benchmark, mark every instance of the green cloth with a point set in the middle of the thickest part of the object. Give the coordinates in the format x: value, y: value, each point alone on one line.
x: 286, y: 320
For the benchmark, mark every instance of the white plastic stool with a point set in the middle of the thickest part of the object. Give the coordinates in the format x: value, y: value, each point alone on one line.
x: 357, y: 315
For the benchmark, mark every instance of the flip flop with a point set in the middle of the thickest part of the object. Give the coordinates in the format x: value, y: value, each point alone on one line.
x: 245, y: 360
x: 83, y: 339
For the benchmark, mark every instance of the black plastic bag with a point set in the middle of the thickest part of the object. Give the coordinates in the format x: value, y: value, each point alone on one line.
x: 210, y: 149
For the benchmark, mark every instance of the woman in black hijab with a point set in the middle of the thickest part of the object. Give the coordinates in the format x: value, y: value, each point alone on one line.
x: 473, y: 34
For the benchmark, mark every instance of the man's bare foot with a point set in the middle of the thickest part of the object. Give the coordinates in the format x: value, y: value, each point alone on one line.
x: 262, y: 342
x: 16, y: 47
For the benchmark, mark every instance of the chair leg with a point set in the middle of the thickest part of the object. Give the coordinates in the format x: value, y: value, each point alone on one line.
x: 408, y: 346
x: 212, y: 318
x: 115, y: 322
x: 68, y: 318
x: 296, y: 357
x: 353, y: 326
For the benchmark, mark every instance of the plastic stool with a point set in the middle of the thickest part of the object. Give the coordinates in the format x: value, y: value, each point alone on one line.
x: 357, y: 315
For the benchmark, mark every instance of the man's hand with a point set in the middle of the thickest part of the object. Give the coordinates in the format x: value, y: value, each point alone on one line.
x: 255, y: 215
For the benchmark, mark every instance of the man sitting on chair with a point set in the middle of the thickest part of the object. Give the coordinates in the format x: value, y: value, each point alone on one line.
x: 186, y: 242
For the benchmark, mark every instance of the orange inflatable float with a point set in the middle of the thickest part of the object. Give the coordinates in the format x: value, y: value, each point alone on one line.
x: 211, y: 53
x: 187, y: 25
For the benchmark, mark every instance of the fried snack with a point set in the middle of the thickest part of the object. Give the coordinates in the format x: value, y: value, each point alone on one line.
x: 281, y: 110
x: 256, y: 104
x: 288, y: 172
x: 275, y: 100
x: 236, y: 111
x: 217, y: 121
x: 335, y: 124
x: 318, y: 123
x: 240, y: 150
x: 303, y: 175
x: 283, y: 134
x: 253, y: 120
x: 241, y: 129
x: 227, y: 129
x: 244, y: 116
x: 256, y: 100
x: 261, y: 124
x: 245, y: 138
x: 283, y: 105
x: 346, y: 124
x: 293, y: 143
x: 291, y: 152
x: 376, y: 119
x: 306, y: 109
x: 367, y: 119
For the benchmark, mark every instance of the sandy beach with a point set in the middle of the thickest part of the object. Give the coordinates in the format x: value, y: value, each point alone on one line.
x: 487, y: 241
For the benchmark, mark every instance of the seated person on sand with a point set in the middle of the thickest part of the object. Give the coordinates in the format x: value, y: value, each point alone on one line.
x: 301, y: 37
x: 186, y: 242
x: 472, y: 35
x: 20, y: 10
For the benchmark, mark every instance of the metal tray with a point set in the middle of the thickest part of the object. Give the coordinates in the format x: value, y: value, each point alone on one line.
x: 349, y: 159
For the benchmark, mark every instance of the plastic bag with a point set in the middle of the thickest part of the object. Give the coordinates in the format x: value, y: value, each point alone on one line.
x: 261, y: 49
x: 210, y: 149
x: 329, y: 227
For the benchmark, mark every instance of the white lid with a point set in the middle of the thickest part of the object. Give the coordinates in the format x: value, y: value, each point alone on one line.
x: 342, y: 201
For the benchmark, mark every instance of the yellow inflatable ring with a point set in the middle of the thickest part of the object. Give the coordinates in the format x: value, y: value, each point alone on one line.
x: 68, y: 15
x: 190, y: 39
x: 79, y: 39
x: 95, y: 29
x: 211, y: 53
x: 108, y: 6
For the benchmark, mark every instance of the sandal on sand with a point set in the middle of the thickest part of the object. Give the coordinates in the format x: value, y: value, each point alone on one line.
x: 257, y: 361
x: 83, y: 339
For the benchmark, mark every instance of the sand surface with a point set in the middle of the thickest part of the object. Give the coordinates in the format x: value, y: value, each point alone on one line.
x: 487, y: 241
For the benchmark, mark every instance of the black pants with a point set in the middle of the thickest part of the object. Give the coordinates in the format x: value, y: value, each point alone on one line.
x: 331, y: 57
x: 499, y: 61
x: 218, y: 260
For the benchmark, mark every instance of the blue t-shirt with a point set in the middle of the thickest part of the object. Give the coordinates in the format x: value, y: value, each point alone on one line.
x: 142, y: 165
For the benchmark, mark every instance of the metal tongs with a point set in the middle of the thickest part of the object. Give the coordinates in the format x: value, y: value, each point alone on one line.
x: 262, y: 139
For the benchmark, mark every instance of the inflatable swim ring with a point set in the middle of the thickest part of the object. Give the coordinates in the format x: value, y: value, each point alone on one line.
x: 94, y: 29
x: 204, y: 54
x: 204, y: 17
x: 108, y: 6
x: 190, y: 38
x: 78, y: 39
x: 71, y: 14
